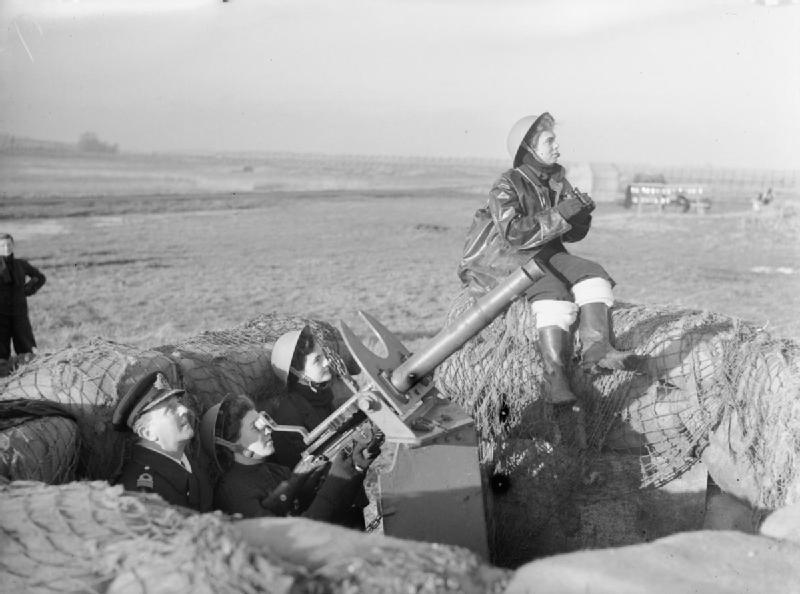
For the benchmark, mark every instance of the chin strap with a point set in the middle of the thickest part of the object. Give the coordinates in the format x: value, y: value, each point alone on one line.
x: 234, y: 447
x: 302, y: 378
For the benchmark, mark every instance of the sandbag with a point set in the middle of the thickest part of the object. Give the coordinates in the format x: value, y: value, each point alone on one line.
x: 701, y: 368
x: 708, y: 562
x: 88, y: 380
x: 90, y: 537
x: 713, y: 388
x: 40, y: 449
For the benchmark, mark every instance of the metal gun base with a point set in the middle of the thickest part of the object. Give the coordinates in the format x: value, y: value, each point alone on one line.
x: 434, y: 492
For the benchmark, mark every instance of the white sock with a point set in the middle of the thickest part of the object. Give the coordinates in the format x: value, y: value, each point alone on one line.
x: 593, y: 290
x: 553, y: 312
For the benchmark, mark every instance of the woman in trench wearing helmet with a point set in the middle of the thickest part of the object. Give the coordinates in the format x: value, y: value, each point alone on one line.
x: 313, y: 393
x: 239, y: 439
x: 313, y: 390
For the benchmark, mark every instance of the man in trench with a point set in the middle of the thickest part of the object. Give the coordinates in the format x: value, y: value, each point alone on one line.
x: 159, y: 463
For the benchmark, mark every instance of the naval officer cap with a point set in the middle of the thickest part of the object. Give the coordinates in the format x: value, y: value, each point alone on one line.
x: 147, y: 393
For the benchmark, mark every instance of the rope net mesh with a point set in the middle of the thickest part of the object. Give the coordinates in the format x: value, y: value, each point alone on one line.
x: 44, y: 449
x: 701, y: 368
x: 707, y: 377
x: 91, y: 378
x: 85, y: 537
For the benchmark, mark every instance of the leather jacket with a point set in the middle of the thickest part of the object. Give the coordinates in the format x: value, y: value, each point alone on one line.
x: 516, y: 223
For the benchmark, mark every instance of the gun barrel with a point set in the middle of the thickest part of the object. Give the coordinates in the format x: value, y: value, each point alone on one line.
x: 468, y: 324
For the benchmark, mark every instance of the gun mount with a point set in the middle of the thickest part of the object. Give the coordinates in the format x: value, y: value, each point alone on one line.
x: 417, y: 495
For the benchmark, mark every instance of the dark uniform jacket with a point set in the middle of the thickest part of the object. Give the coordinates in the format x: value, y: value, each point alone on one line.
x: 151, y: 472
x: 244, y: 488
x: 18, y: 280
x: 518, y: 220
x: 308, y: 408
x: 302, y: 406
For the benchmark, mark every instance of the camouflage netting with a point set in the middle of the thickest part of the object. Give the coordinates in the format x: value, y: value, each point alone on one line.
x: 91, y: 378
x: 702, y: 369
x: 88, y: 380
x: 236, y: 360
x: 89, y: 537
x: 715, y: 388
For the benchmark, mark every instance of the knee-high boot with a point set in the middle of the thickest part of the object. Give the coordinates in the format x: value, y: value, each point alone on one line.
x: 597, y: 353
x: 554, y: 345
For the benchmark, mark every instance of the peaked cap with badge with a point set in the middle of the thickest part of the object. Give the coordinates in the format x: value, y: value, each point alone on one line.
x: 146, y: 394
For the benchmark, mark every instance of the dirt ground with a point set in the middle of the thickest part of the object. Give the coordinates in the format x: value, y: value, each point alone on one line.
x: 149, y: 269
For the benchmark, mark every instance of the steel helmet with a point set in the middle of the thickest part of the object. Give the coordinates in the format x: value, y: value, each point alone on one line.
x: 209, y: 439
x: 208, y: 431
x: 283, y: 353
x: 526, y: 130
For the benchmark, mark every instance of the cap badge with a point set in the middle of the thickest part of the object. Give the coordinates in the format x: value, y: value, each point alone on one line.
x: 161, y: 382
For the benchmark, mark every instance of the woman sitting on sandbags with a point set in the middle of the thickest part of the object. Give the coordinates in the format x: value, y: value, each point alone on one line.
x: 531, y: 211
x: 239, y: 439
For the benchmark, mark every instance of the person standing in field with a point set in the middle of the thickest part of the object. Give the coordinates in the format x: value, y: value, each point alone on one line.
x: 532, y: 210
x: 18, y: 281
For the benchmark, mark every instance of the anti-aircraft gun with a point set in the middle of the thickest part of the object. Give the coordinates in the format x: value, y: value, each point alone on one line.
x: 399, y: 398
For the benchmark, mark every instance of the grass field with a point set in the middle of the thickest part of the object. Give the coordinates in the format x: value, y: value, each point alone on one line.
x: 151, y: 265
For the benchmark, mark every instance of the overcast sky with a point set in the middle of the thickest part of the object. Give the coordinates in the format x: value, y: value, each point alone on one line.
x: 664, y: 81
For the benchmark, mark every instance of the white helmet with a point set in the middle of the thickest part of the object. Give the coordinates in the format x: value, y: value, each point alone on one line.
x: 526, y: 129
x: 283, y: 353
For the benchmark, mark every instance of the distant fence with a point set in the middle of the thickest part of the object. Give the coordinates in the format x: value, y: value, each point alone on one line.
x: 731, y: 185
x: 726, y: 184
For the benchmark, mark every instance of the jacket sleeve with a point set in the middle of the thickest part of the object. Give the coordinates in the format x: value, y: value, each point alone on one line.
x: 35, y: 278
x: 523, y: 230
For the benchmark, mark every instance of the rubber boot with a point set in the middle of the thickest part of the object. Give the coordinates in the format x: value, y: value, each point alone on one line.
x: 597, y: 354
x: 5, y: 367
x: 553, y: 343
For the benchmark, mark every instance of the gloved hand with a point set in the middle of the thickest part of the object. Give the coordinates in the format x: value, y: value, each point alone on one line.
x: 348, y: 465
x: 365, y: 453
x: 282, y: 500
x: 307, y: 490
x: 580, y: 227
x: 572, y: 207
x: 295, y: 493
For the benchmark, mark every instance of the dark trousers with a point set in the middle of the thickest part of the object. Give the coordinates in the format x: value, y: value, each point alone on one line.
x: 561, y: 272
x: 16, y: 328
